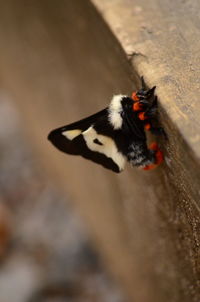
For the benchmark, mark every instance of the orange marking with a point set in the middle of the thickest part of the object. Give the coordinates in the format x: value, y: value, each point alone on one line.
x: 158, y: 155
x: 142, y: 116
x: 135, y: 97
x: 154, y: 146
x: 137, y: 106
x: 147, y: 126
x: 150, y: 167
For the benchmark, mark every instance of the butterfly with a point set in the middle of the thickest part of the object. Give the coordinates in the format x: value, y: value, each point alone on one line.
x: 116, y: 134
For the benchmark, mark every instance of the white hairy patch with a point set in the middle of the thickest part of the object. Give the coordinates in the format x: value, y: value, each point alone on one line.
x: 136, y: 148
x: 71, y: 134
x: 108, y: 148
x: 137, y: 160
x: 115, y: 109
x: 136, y: 156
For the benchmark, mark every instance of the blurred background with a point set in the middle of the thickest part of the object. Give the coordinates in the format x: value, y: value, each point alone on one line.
x: 45, y: 251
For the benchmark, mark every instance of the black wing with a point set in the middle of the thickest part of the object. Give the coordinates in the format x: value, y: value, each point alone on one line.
x: 81, y: 138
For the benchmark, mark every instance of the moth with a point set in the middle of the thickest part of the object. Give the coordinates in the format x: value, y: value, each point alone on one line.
x: 116, y: 134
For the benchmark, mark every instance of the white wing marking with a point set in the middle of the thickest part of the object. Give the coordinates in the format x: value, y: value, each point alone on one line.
x: 71, y: 134
x: 108, y: 148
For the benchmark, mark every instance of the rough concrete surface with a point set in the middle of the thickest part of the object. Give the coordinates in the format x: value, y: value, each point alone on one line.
x: 62, y: 62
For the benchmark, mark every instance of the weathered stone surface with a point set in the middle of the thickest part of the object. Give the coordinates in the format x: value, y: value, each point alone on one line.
x: 61, y: 62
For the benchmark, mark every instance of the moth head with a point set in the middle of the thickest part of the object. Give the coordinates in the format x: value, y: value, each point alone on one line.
x: 143, y: 94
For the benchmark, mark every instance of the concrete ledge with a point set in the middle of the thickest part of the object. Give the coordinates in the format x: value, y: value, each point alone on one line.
x: 61, y: 62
